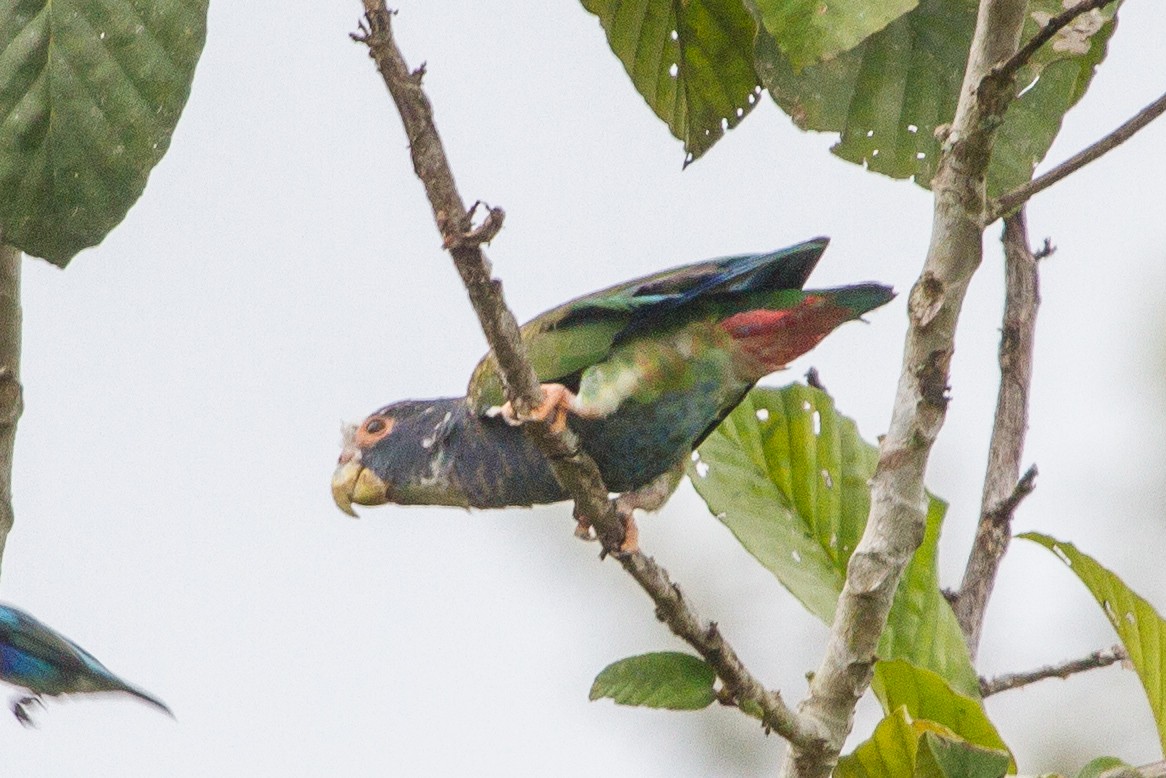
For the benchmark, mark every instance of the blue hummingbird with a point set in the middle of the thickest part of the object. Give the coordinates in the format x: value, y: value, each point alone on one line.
x: 43, y: 661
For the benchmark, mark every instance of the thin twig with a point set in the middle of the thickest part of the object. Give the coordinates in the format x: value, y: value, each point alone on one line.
x: 11, y: 392
x: 1002, y: 491
x: 574, y: 469
x: 1043, y: 36
x: 1010, y: 201
x: 897, y: 518
x: 1102, y: 658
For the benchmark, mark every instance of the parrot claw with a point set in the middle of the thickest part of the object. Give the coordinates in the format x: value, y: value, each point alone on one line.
x: 558, y: 400
x: 20, y: 710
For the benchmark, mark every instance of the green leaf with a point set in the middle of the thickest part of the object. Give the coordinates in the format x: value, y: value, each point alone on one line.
x: 1141, y: 629
x: 90, y: 93
x: 921, y: 627
x: 902, y: 745
x: 1109, y: 767
x: 793, y: 487
x: 887, y: 96
x: 809, y: 31
x: 944, y: 758
x: 692, y: 60
x: 796, y: 500
x: 667, y: 679
x: 926, y: 695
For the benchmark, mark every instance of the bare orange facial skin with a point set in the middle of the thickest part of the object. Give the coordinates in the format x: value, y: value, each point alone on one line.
x: 372, y: 430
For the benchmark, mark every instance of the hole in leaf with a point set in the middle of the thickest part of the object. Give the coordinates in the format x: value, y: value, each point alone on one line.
x: 875, y: 153
x: 912, y: 128
x: 695, y: 456
x: 674, y: 35
x: 870, y: 133
x: 817, y: 422
x: 673, y: 70
x: 920, y: 155
x: 826, y: 479
x: 702, y: 469
x: 740, y: 112
x: 796, y: 556
x: 763, y: 414
x: 1063, y: 557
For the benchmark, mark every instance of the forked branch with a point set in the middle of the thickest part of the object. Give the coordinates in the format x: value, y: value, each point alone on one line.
x: 1002, y: 491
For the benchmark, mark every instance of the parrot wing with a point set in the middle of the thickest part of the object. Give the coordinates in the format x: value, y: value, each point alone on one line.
x: 566, y: 340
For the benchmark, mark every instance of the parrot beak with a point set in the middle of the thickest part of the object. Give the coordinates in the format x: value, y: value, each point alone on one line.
x: 354, y: 483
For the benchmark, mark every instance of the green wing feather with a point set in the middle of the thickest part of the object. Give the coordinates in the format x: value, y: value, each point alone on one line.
x: 578, y: 334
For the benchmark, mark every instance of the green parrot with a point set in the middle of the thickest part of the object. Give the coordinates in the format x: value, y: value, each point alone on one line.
x: 642, y: 372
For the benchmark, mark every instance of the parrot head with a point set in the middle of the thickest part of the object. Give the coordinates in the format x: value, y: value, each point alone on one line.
x: 398, y: 455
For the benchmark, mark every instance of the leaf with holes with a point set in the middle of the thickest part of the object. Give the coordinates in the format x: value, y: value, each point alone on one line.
x: 692, y: 61
x: 788, y: 475
x: 810, y: 31
x: 90, y: 94
x: 1141, y: 629
x: 926, y: 695
x: 905, y: 746
x: 666, y: 679
x: 887, y: 96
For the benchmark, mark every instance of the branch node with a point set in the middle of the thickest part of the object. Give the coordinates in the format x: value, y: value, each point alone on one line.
x: 1046, y: 250
x: 814, y: 380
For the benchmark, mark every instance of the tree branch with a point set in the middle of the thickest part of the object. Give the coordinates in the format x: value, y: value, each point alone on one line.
x: 1044, y: 35
x: 1102, y: 658
x: 11, y: 392
x: 898, y: 502
x: 1010, y: 201
x: 574, y: 469
x: 1002, y: 492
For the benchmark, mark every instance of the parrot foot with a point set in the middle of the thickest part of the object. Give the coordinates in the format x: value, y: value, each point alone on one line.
x: 20, y: 709
x: 557, y: 402
x: 631, y: 533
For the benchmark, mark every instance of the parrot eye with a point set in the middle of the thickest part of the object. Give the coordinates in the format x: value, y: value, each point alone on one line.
x: 373, y: 429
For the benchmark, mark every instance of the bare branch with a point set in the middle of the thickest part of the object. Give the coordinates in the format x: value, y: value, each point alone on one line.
x: 1010, y: 201
x: 1044, y: 35
x: 1102, y: 658
x: 1002, y: 492
x: 574, y: 469
x: 898, y: 501
x: 11, y: 392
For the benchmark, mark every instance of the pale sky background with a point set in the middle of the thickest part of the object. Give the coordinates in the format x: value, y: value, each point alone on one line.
x: 186, y: 380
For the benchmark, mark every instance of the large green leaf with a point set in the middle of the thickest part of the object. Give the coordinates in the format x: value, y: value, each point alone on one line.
x: 926, y: 695
x: 809, y: 31
x: 906, y: 747
x: 887, y: 96
x: 788, y: 475
x: 921, y: 627
x: 1141, y: 629
x: 692, y: 60
x: 90, y: 92
x: 666, y: 679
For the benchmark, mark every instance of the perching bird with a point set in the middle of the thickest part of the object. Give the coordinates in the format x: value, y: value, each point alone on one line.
x: 44, y: 661
x: 642, y: 372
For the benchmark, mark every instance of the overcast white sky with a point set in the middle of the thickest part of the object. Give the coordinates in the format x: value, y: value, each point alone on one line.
x: 186, y: 380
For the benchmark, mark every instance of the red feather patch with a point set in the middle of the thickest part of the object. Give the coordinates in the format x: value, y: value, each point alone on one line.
x: 773, y: 339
